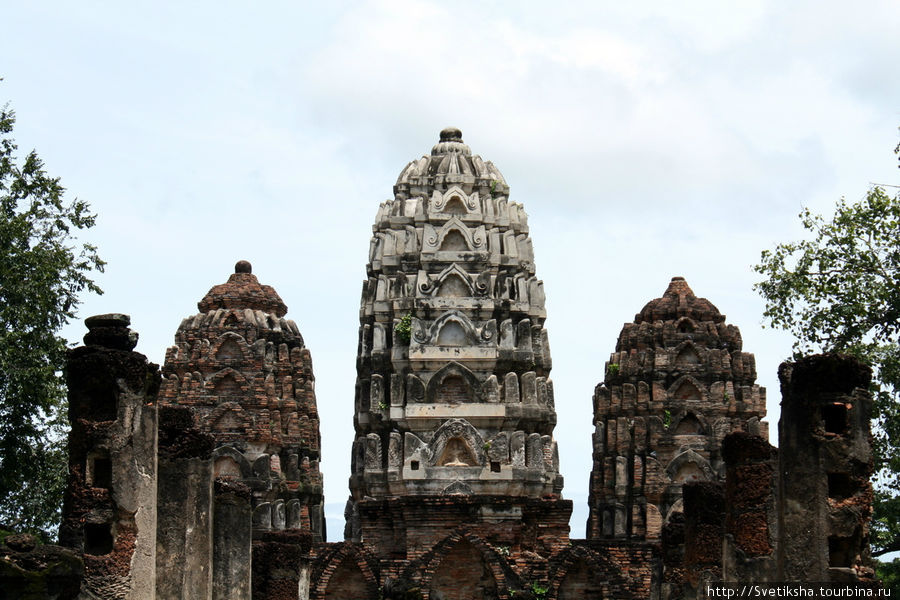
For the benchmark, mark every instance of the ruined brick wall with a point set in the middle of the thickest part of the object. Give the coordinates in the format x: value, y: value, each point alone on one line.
x: 466, y: 565
x: 704, y: 533
x: 751, y: 516
x: 800, y: 513
x: 109, y: 512
x: 595, y: 570
x: 825, y: 462
x: 480, y: 547
x: 279, y: 558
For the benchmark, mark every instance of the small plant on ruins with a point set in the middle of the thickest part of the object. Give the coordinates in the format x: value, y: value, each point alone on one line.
x: 667, y: 418
x: 503, y: 550
x: 403, y: 328
x: 534, y: 591
x: 382, y: 405
x: 486, y: 446
x: 613, y: 369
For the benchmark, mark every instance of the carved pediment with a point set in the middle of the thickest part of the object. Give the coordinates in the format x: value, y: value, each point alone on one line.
x: 461, y: 237
x: 454, y: 202
x: 457, y: 443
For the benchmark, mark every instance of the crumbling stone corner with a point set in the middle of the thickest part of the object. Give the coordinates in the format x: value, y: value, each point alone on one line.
x: 109, y: 511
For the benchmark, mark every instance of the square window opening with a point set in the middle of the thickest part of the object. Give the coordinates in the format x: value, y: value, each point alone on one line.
x: 840, y: 486
x: 101, y: 472
x: 840, y: 553
x: 834, y: 417
x: 98, y: 539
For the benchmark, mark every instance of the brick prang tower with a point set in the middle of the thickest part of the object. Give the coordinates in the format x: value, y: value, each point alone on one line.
x: 242, y: 371
x: 676, y: 385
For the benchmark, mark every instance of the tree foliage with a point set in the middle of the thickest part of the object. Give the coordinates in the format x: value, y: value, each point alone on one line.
x: 43, y: 268
x: 840, y: 291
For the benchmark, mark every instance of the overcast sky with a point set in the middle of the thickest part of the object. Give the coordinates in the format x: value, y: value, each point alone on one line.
x: 646, y: 140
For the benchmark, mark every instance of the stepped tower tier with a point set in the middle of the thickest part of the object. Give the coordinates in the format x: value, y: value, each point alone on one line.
x: 452, y: 392
x: 677, y: 384
x: 243, y: 371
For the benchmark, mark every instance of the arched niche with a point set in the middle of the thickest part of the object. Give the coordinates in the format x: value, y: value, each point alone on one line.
x: 229, y: 350
x: 581, y: 572
x: 689, y: 424
x: 461, y: 387
x: 454, y: 240
x: 453, y: 286
x: 463, y: 574
x: 453, y: 236
x: 687, y: 356
x: 686, y: 389
x: 454, y: 390
x: 688, y: 472
x: 227, y: 467
x: 347, y: 582
x: 455, y: 206
x: 227, y: 386
x: 227, y: 418
x: 452, y: 334
x: 457, y: 453
x: 455, y: 201
x: 229, y: 462
x: 228, y: 422
x: 455, y: 437
x: 433, y: 335
x: 580, y: 583
x: 676, y: 509
x: 685, y: 325
x: 689, y: 466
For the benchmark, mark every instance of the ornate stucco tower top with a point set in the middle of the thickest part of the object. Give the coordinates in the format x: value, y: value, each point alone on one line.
x: 677, y: 384
x: 452, y: 394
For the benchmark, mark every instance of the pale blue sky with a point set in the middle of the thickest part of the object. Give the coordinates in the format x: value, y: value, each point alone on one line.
x: 644, y: 141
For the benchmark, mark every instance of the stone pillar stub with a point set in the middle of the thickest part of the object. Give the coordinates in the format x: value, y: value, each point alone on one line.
x: 233, y: 536
x: 184, y: 529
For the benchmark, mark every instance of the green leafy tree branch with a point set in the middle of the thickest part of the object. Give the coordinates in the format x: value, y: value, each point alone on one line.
x: 43, y: 269
x: 839, y: 291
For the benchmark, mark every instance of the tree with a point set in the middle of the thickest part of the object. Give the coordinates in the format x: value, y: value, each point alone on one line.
x: 840, y: 292
x: 43, y: 268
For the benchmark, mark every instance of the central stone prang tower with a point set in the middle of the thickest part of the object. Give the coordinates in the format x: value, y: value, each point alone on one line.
x: 452, y: 393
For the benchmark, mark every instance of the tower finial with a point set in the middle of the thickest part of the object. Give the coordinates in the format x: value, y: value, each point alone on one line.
x: 451, y: 134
